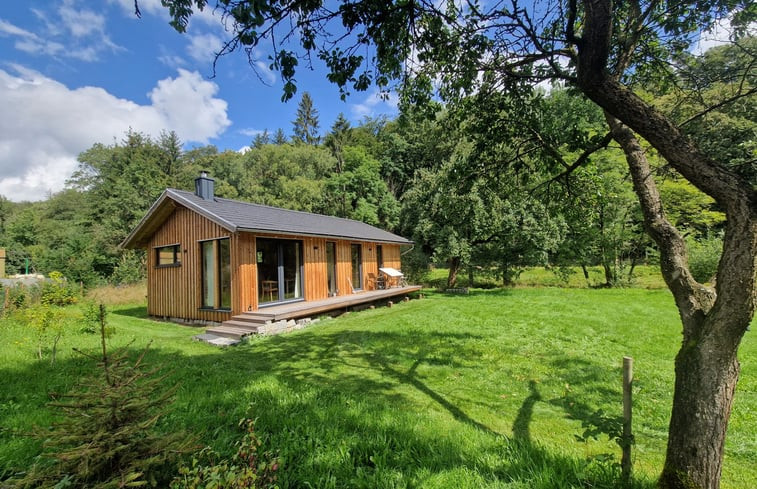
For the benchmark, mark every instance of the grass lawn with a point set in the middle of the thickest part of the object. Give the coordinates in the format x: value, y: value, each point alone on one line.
x: 485, y: 390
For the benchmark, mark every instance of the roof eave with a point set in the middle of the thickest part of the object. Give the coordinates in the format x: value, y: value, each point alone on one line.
x: 401, y: 241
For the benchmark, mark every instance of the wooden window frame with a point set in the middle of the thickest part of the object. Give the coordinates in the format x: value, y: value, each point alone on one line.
x: 176, y: 256
x: 360, y: 285
x: 217, y: 275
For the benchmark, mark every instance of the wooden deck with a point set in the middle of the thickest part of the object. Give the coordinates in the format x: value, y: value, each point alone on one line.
x: 251, y: 322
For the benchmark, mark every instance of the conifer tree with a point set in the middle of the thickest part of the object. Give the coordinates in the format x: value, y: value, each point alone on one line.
x: 337, y: 138
x: 306, y: 124
x: 106, y: 437
x: 261, y: 139
x: 279, y: 138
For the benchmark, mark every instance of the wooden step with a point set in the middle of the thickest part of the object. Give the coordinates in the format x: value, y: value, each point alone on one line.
x: 228, y: 332
x: 253, y: 317
x: 250, y: 326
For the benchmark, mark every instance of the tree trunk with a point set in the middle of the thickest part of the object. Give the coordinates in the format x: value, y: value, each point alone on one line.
x: 609, y: 273
x: 586, y: 272
x: 454, y: 268
x: 706, y: 376
x: 706, y: 366
x: 714, y: 321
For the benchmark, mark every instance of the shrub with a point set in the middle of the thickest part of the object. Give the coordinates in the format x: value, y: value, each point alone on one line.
x: 106, y: 437
x: 19, y: 297
x: 57, y: 291
x: 415, y: 266
x: 47, y: 323
x: 704, y: 256
x: 563, y: 273
x: 247, y: 469
x: 130, y: 269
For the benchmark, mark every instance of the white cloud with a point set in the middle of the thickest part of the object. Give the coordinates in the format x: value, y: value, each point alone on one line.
x: 81, y: 23
x: 204, y: 47
x: 8, y: 29
x: 375, y: 103
x: 265, y: 73
x: 30, y: 42
x: 718, y: 34
x: 250, y: 132
x: 172, y: 61
x: 154, y: 7
x: 48, y: 124
x: 188, y: 106
x: 74, y: 33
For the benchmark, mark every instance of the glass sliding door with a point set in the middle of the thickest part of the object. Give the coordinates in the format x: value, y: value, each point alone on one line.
x: 291, y: 268
x: 357, y: 266
x: 216, y: 273
x: 268, y: 271
x: 331, y: 267
x: 224, y: 273
x: 208, y: 275
x: 279, y: 270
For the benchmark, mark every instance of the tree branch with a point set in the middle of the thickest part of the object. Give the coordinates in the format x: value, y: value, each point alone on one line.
x: 722, y: 103
x: 582, y: 158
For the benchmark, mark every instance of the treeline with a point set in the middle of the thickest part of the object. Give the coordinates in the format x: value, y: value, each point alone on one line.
x: 489, y: 185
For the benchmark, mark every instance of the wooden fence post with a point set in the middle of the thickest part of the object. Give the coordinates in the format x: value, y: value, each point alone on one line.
x: 625, y: 461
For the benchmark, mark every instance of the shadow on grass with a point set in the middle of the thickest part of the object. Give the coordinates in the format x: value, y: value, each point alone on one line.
x: 353, y: 408
x: 587, y: 386
x: 134, y: 312
x: 496, y: 292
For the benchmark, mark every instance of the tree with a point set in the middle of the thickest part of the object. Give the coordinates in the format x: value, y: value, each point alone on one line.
x: 5, y: 212
x: 291, y: 176
x: 337, y: 138
x: 106, y: 436
x: 605, y: 49
x: 306, y: 123
x: 279, y: 138
x: 261, y: 139
x: 477, y: 219
x: 118, y: 184
x: 359, y: 192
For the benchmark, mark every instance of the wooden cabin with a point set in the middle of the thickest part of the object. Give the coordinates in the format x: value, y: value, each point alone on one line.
x: 209, y: 258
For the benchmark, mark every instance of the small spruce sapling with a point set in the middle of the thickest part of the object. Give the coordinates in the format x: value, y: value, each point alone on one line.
x: 106, y: 436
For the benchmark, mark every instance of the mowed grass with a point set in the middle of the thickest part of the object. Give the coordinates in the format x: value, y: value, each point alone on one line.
x: 485, y: 390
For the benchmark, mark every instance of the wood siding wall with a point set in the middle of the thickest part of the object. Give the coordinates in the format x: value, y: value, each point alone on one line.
x: 176, y: 291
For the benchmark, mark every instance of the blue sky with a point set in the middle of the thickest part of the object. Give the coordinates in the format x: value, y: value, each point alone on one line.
x: 76, y: 72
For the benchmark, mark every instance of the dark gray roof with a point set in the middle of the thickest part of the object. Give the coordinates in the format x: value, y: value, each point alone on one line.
x: 235, y: 216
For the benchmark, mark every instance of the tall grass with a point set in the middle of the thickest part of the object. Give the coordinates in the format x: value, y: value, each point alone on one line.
x: 484, y: 390
x: 642, y: 276
x: 117, y: 295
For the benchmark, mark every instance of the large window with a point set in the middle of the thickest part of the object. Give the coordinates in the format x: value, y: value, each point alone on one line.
x: 357, y: 266
x: 331, y: 267
x: 279, y: 270
x: 168, y: 256
x: 216, y: 274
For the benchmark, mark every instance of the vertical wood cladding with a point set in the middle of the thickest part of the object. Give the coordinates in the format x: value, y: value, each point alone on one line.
x: 176, y: 291
x: 392, y: 258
